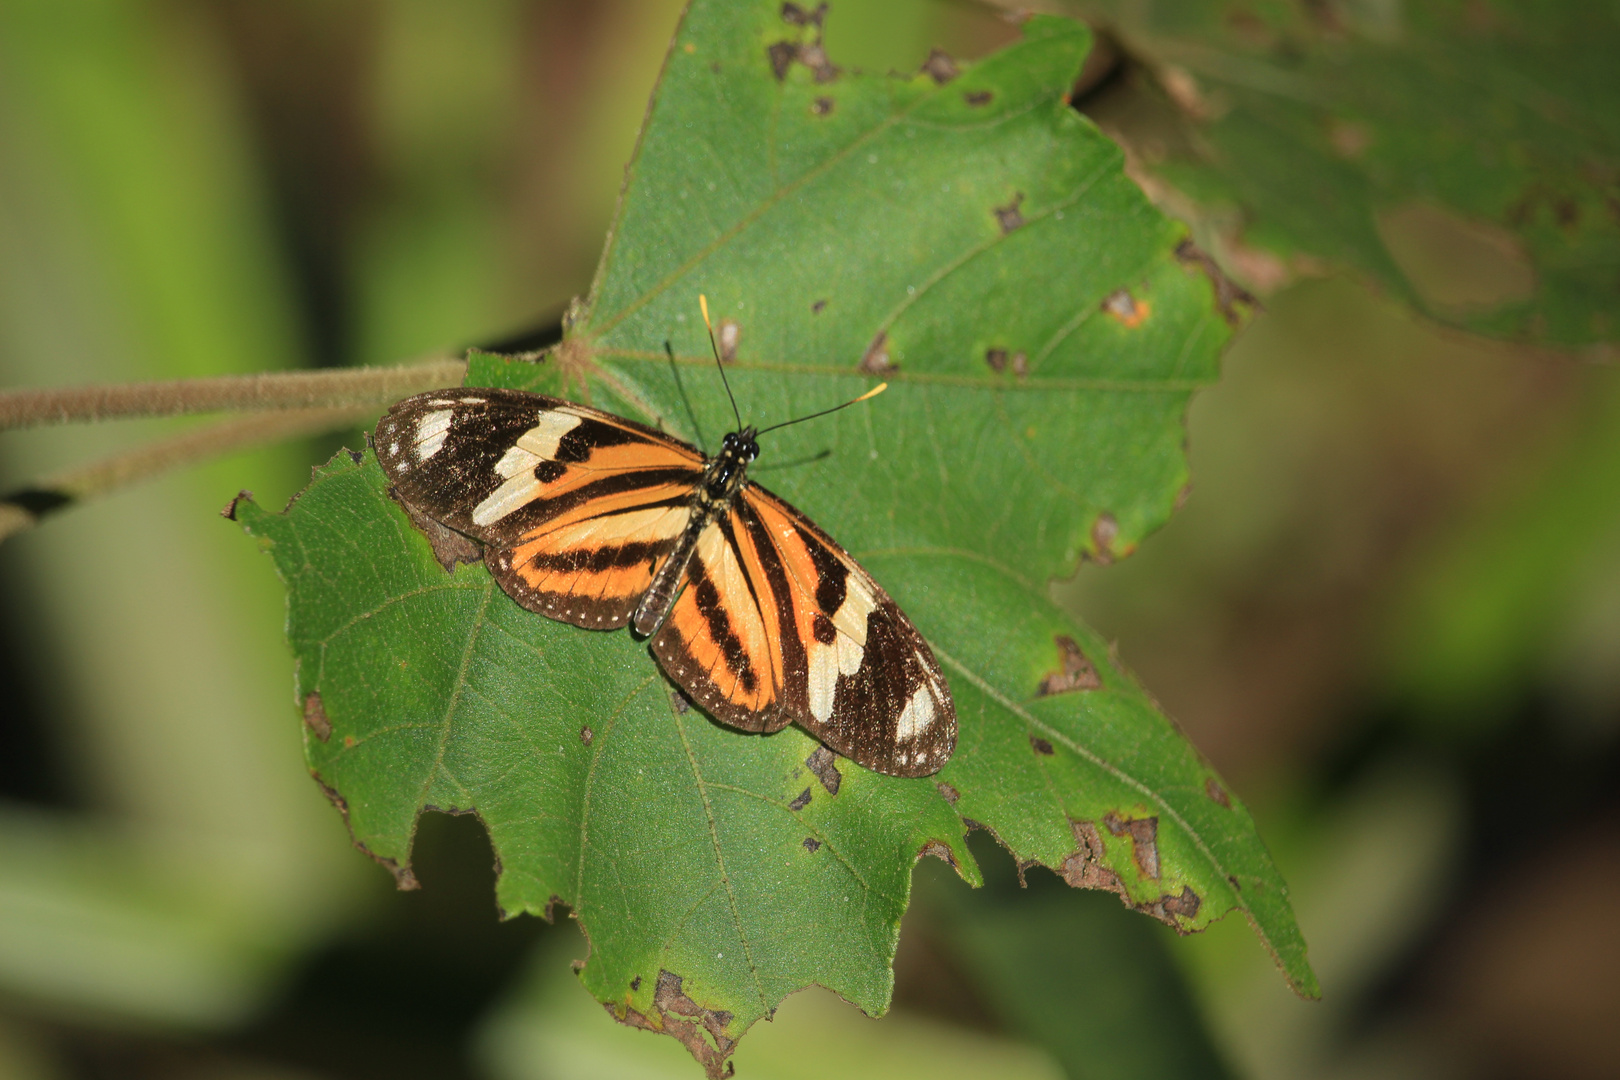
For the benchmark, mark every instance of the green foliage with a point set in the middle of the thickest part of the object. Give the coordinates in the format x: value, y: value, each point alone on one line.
x: 1070, y: 971
x: 1465, y: 155
x: 976, y: 243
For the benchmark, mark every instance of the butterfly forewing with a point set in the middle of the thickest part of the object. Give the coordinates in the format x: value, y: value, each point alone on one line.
x: 576, y: 507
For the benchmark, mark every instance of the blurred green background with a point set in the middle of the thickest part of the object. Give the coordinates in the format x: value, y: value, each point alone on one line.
x: 1389, y: 612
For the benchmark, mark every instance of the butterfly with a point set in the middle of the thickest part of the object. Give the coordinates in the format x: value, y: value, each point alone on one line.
x: 599, y: 521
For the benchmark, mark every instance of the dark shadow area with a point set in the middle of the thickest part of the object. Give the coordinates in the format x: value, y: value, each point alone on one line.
x: 396, y: 999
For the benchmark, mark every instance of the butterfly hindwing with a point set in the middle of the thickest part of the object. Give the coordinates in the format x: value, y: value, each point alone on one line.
x: 576, y: 507
x: 722, y: 642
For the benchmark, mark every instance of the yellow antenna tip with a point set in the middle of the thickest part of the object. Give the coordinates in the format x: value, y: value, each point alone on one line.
x: 872, y: 393
x: 703, y: 303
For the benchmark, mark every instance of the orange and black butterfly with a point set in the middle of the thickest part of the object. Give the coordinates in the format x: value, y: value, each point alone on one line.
x: 595, y: 520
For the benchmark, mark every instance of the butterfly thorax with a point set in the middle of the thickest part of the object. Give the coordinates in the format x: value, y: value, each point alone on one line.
x: 727, y: 471
x: 723, y: 477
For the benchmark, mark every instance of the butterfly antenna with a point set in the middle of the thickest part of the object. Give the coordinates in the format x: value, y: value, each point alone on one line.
x: 872, y: 393
x: 703, y: 303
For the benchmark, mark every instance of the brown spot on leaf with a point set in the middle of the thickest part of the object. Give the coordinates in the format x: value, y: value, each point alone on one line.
x: 781, y: 55
x: 635, y: 983
x: 800, y: 801
x: 1144, y: 834
x: 940, y: 67
x: 784, y: 54
x: 673, y: 1008
x: 794, y: 15
x: 1213, y: 789
x: 727, y: 335
x: 818, y: 307
x: 404, y: 880
x: 824, y: 763
x: 977, y: 98
x: 1011, y: 216
x: 1126, y: 308
x: 814, y: 57
x: 950, y: 794
x: 876, y: 361
x: 811, y: 844
x: 998, y: 361
x: 1186, y: 903
x: 1041, y: 746
x: 1075, y: 672
x: 1085, y: 868
x: 349, y: 742
x: 1228, y: 293
x: 586, y: 735
x: 938, y: 851
x: 822, y: 106
x: 315, y: 716
x: 228, y: 512
x: 1103, y: 533
x: 1232, y: 878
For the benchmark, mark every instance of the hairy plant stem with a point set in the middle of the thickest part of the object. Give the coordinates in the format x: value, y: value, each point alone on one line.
x: 22, y: 509
x: 342, y: 387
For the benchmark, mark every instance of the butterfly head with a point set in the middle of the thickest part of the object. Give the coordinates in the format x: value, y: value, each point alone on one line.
x: 743, y: 445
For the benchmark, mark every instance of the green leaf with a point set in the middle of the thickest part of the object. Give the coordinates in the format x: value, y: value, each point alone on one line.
x: 1464, y: 155
x: 1043, y: 328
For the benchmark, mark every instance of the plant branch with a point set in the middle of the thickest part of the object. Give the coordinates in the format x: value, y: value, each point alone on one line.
x: 345, y: 387
x: 24, y: 508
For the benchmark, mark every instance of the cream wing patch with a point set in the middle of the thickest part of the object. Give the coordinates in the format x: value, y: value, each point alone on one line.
x: 431, y: 430
x: 841, y: 656
x: 921, y: 710
x: 516, y: 467
x: 542, y: 439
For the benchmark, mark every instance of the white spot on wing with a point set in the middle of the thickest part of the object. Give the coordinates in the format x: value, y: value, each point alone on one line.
x: 542, y: 439
x: 516, y: 492
x: 516, y: 466
x: 918, y: 715
x: 516, y: 460
x: 849, y: 653
x: 850, y: 618
x: 431, y: 430
x: 823, y: 680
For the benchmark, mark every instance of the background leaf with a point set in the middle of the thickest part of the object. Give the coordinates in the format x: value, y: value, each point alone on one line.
x: 1464, y: 155
x: 974, y: 241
